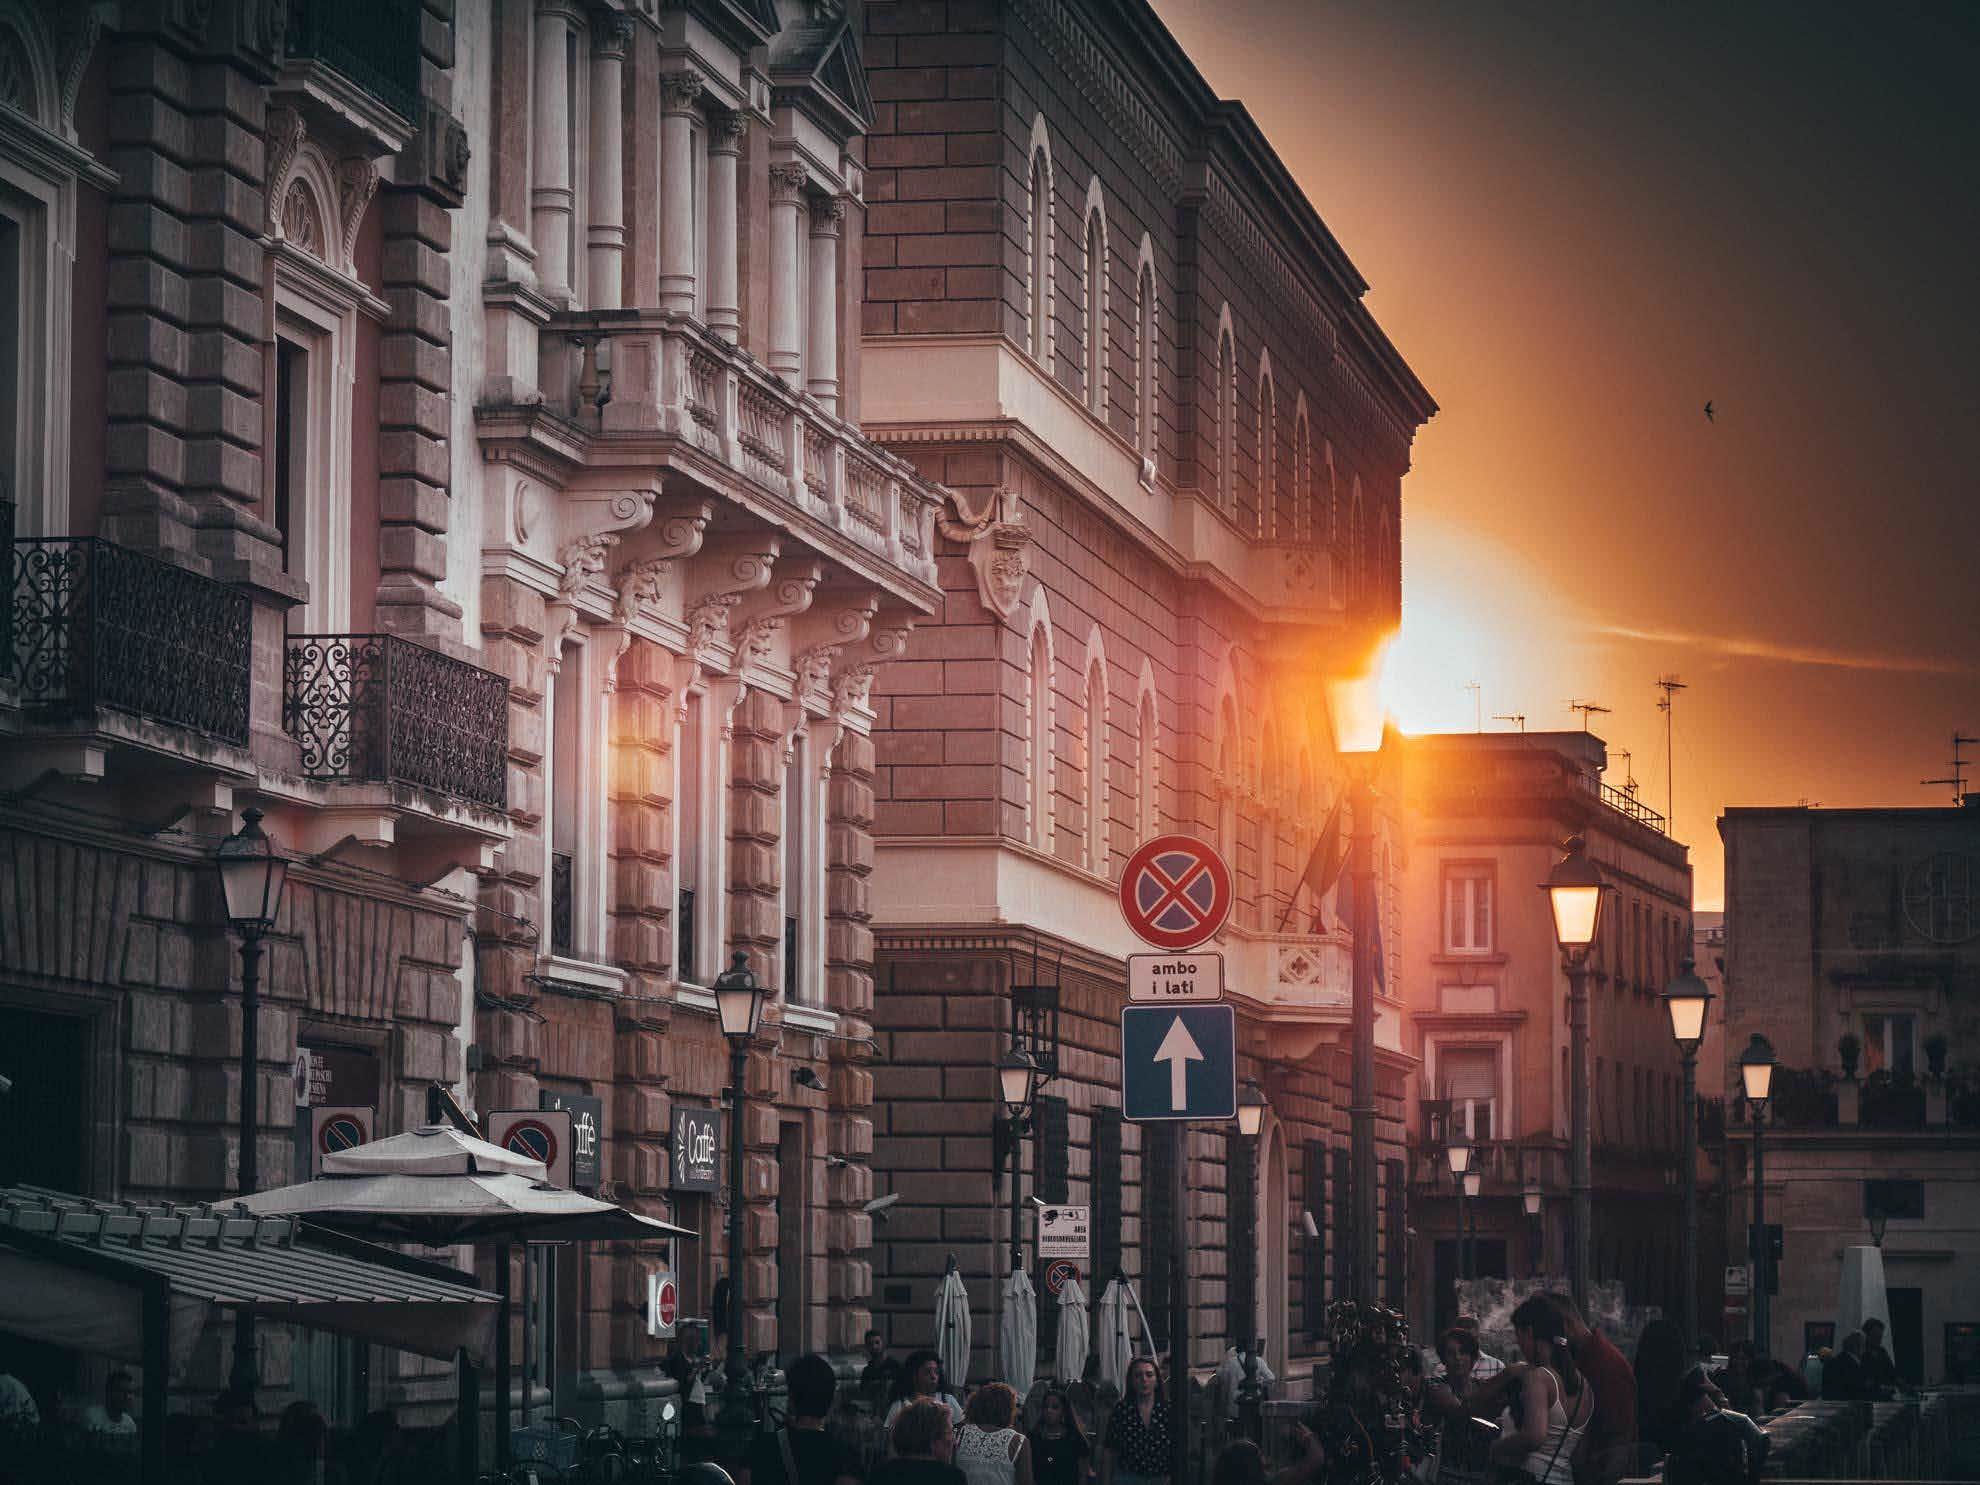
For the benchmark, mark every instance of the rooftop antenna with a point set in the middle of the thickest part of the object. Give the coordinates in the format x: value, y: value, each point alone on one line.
x: 1670, y: 685
x: 1960, y: 741
x: 1477, y: 706
x: 1629, y: 771
x: 1518, y: 719
x: 1587, y: 709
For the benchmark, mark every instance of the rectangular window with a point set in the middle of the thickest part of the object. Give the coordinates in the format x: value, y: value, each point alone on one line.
x: 688, y: 798
x: 1888, y: 1043
x: 291, y: 446
x: 566, y: 800
x: 799, y: 917
x: 1395, y: 1236
x: 1470, y: 1080
x: 1902, y: 1200
x: 1106, y: 1195
x: 10, y: 356
x: 1343, y: 1225
x: 1467, y: 910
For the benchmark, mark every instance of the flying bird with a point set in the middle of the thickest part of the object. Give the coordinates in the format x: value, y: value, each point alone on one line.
x: 1708, y: 414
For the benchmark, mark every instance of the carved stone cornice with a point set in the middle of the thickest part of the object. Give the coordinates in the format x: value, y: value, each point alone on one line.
x: 998, y: 543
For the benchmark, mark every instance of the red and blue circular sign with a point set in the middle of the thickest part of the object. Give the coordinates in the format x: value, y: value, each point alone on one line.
x: 534, y: 1138
x: 1057, y: 1273
x: 340, y: 1132
x: 1175, y: 892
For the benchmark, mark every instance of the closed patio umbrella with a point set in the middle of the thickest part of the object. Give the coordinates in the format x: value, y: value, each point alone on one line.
x: 1071, y: 1357
x: 952, y: 1329
x: 1017, y: 1332
x: 1114, y: 1330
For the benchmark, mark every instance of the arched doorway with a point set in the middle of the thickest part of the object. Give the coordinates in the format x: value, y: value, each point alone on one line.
x: 1274, y: 1257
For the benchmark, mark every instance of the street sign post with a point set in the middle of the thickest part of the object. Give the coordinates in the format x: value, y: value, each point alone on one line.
x: 1164, y: 979
x: 1178, y: 1062
x: 1175, y: 892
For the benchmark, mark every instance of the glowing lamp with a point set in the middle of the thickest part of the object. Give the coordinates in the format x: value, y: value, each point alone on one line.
x: 1458, y: 1152
x: 1532, y: 1197
x: 1356, y: 709
x: 1251, y: 1109
x: 738, y: 998
x: 1473, y: 1180
x: 1687, y: 997
x: 1575, y: 888
x: 1756, y: 1070
x: 252, y: 873
x: 1014, y: 1080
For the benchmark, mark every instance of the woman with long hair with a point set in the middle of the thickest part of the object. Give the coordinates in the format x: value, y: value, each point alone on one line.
x: 1660, y: 1368
x: 1061, y: 1454
x: 1137, y: 1448
x: 921, y: 1378
x: 1555, y: 1401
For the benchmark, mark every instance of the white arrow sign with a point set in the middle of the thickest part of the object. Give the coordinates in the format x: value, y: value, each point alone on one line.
x: 1178, y: 1049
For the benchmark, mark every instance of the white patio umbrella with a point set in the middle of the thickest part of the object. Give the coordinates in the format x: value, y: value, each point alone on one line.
x: 1111, y: 1333
x: 952, y: 1329
x: 1071, y: 1357
x: 1017, y: 1332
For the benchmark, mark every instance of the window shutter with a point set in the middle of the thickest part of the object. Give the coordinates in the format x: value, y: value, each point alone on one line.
x: 1054, y: 1146
x: 1397, y: 1259
x: 1106, y: 1199
x: 1343, y: 1227
x: 1240, y: 1237
x: 1158, y: 1168
x: 1313, y: 1250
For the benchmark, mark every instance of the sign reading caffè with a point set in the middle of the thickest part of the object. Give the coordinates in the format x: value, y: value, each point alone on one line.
x: 697, y: 1149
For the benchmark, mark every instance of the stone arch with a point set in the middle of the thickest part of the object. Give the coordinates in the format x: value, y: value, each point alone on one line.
x: 1041, y: 724
x: 1040, y: 297
x: 1147, y: 353
x: 30, y: 81
x: 1098, y: 736
x: 1225, y: 391
x: 1148, y: 753
x: 1096, y: 292
x: 1266, y: 521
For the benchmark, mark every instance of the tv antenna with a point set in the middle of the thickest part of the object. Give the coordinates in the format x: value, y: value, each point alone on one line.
x: 1518, y: 719
x: 1670, y: 685
x: 1960, y: 742
x: 1629, y: 772
x: 1477, y: 706
x: 1588, y: 708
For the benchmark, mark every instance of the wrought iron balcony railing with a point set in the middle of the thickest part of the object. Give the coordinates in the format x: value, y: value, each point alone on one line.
x: 376, y: 708
x: 1624, y: 803
x: 374, y: 43
x: 91, y: 624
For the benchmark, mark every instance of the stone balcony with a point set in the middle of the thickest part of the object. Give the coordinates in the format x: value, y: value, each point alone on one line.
x: 1306, y: 982
x: 627, y: 393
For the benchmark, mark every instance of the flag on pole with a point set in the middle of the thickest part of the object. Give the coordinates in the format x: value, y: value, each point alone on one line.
x: 1375, y: 927
x: 1323, y: 869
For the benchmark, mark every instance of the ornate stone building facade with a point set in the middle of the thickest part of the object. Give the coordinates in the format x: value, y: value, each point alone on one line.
x: 435, y: 427
x: 1098, y: 310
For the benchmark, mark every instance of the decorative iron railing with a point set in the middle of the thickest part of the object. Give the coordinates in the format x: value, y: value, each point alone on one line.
x: 376, y: 708
x: 1624, y: 803
x: 7, y: 607
x: 561, y: 916
x: 374, y: 43
x: 92, y: 624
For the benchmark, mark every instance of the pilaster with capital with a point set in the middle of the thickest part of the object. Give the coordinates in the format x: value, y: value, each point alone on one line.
x: 827, y: 216
x: 605, y: 234
x: 786, y: 197
x: 680, y: 97
x: 725, y: 145
x: 552, y: 195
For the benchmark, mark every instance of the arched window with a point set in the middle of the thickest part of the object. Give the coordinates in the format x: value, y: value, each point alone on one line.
x: 1225, y: 453
x: 1230, y: 779
x: 1332, y: 515
x: 1301, y: 521
x: 1094, y: 279
x: 1039, y: 724
x: 1357, y: 545
x: 1270, y: 800
x: 1387, y: 567
x: 1099, y: 849
x: 1145, y: 357
x: 1268, y: 451
x: 1038, y: 254
x: 1148, y: 767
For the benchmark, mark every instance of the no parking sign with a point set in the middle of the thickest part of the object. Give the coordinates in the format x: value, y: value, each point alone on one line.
x: 541, y: 1134
x: 336, y: 1129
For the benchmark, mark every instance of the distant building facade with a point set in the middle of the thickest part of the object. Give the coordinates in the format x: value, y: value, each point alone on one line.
x: 1485, y: 816
x: 1101, y: 314
x: 1852, y: 944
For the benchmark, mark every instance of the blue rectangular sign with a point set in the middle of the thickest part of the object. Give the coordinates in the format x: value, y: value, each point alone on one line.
x: 1178, y: 1062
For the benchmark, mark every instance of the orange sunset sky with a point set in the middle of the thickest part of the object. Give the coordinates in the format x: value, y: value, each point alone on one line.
x: 1581, y: 222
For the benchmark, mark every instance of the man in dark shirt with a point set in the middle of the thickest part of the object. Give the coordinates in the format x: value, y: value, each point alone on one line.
x: 804, y: 1447
x: 1716, y: 1446
x: 878, y: 1382
x: 1842, y: 1374
x: 1880, y: 1373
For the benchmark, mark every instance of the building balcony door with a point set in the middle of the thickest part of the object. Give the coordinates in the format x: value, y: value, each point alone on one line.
x: 792, y: 1268
x: 1907, y: 1338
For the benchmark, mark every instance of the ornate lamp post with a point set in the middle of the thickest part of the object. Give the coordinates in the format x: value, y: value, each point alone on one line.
x: 1575, y: 889
x: 1251, y: 1107
x: 739, y: 1003
x: 1534, y: 1199
x: 1688, y: 998
x: 253, y: 872
x: 1358, y: 728
x: 1458, y: 1154
x: 1756, y: 1076
x: 1473, y: 1180
x: 1019, y: 1077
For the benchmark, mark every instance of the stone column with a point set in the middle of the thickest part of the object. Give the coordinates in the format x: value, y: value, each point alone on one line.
x: 725, y: 137
x: 605, y: 239
x: 552, y: 199
x: 786, y: 355
x: 679, y: 94
x: 823, y: 355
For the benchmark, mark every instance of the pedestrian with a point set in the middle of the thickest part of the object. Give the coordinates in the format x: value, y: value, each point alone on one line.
x: 1660, y: 1368
x: 1136, y: 1450
x: 989, y: 1449
x: 1241, y: 1462
x: 921, y: 1378
x: 802, y: 1452
x: 1061, y: 1454
x: 301, y: 1442
x: 923, y: 1439
x: 239, y: 1455
x: 1880, y: 1373
x: 111, y: 1419
x: 881, y: 1378
x: 1232, y: 1373
x: 1716, y: 1446
x: 1462, y: 1454
x: 1842, y: 1374
x: 1557, y: 1404
x: 1608, y: 1448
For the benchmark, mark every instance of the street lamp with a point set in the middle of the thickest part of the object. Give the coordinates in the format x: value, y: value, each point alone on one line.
x: 1019, y: 1077
x: 1356, y: 712
x: 1574, y: 889
x: 1534, y: 1200
x: 1756, y: 1076
x: 1879, y: 1220
x: 1688, y: 998
x: 1473, y: 1180
x: 253, y: 872
x: 1458, y: 1154
x: 739, y: 1003
x: 1251, y: 1107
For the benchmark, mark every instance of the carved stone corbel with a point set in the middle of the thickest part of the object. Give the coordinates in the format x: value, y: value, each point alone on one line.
x: 357, y: 183
x: 761, y: 615
x: 818, y: 639
x: 999, y: 547
x: 852, y: 681
x: 592, y: 528
x: 283, y: 139
x: 676, y: 534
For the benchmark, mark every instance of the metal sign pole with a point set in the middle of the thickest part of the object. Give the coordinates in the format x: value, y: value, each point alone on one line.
x: 1179, y: 1311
